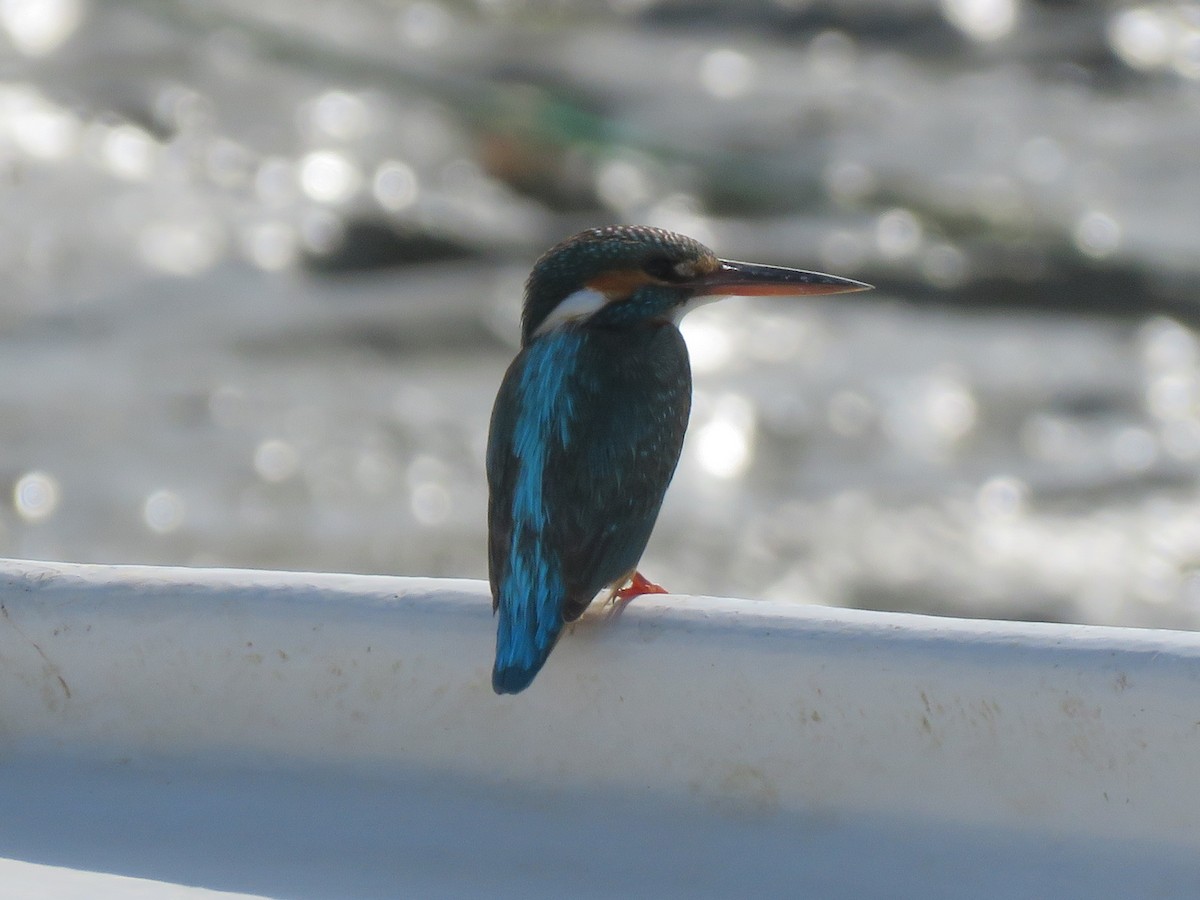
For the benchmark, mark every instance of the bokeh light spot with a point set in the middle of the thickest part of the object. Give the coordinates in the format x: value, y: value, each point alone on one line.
x: 39, y: 27
x: 1134, y: 449
x: 981, y: 20
x: 42, y: 129
x: 950, y: 407
x: 710, y: 346
x: 276, y: 460
x: 36, y: 496
x: 395, y: 185
x: 724, y: 444
x: 163, y: 511
x: 1141, y: 37
x: 430, y: 503
x: 944, y: 266
x: 128, y: 152
x: 622, y: 183
x: 898, y: 233
x: 340, y: 115
x: 329, y: 177
x: 1041, y: 160
x: 425, y: 24
x: 727, y: 73
x: 1186, y: 61
x: 1097, y: 234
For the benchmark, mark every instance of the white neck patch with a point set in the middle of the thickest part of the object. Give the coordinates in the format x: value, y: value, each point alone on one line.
x: 702, y: 300
x: 578, y: 305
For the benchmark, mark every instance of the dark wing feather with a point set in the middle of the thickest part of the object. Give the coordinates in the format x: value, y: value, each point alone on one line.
x: 606, y: 486
x: 501, y: 475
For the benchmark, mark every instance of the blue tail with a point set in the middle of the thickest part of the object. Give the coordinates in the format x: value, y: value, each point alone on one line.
x: 513, y: 679
x: 522, y: 647
x: 529, y: 624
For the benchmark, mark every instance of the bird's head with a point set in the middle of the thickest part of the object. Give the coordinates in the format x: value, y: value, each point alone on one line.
x: 625, y: 274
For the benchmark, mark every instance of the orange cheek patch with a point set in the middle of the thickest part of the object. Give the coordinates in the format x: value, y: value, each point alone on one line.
x: 619, y: 283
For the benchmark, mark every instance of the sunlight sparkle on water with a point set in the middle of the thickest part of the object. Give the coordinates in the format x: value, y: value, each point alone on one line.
x: 1167, y: 346
x: 276, y: 460
x: 1158, y: 36
x: 622, y: 183
x: 340, y: 115
x: 1172, y: 396
x: 36, y: 496
x: 833, y: 55
x: 1002, y: 497
x: 39, y: 127
x: 1181, y: 439
x: 128, y: 152
x: 39, y: 27
x: 1142, y: 37
x: 1097, y: 234
x: 375, y: 471
x: 934, y: 413
x: 724, y: 444
x: 944, y: 266
x: 680, y: 212
x: 727, y: 73
x: 395, y: 185
x: 981, y: 20
x: 898, y: 233
x: 710, y: 346
x: 1041, y: 160
x: 1187, y: 52
x: 329, y: 177
x: 1171, y: 377
x: 424, y: 24
x: 431, y: 503
x: 1133, y: 449
x: 163, y: 511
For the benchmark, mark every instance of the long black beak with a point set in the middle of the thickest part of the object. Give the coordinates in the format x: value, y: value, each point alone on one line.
x: 740, y: 279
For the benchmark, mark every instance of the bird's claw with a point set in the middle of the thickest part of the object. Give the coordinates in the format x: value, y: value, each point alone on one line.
x: 638, y: 585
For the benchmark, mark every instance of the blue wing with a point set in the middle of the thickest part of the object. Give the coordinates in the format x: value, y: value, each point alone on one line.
x: 584, y: 439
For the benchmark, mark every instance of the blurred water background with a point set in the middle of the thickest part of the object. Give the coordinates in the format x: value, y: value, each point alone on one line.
x: 262, y: 266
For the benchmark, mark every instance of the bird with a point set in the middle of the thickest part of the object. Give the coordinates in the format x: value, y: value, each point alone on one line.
x: 589, y: 422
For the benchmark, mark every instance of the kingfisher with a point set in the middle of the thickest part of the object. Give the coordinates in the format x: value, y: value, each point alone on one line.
x: 589, y: 421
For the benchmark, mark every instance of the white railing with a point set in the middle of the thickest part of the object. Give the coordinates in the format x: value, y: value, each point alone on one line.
x: 736, y: 709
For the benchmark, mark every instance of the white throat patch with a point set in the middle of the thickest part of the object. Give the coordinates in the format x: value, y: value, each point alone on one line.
x: 578, y: 305
x: 701, y: 300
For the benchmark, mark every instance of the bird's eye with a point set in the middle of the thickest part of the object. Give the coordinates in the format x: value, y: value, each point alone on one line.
x: 665, y: 269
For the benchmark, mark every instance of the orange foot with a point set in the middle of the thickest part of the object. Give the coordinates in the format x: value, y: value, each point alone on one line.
x: 638, y: 585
